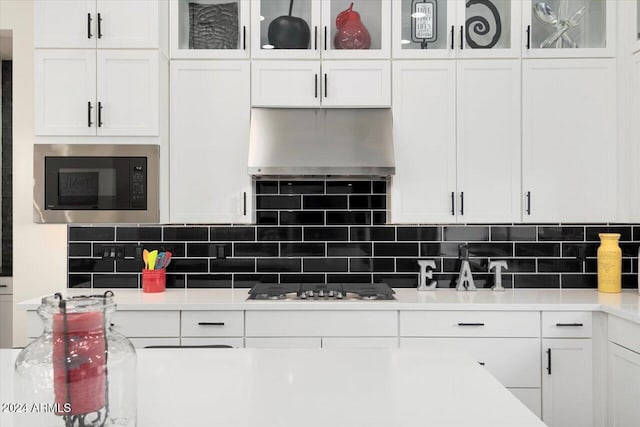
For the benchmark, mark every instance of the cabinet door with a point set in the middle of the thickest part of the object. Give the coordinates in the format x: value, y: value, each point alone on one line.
x: 569, y: 140
x: 569, y: 28
x: 423, y: 29
x: 375, y: 16
x: 128, y: 92
x: 285, y: 83
x: 488, y: 135
x: 64, y: 23
x: 567, y: 382
x: 276, y: 33
x: 624, y: 387
x: 209, y: 142
x: 65, y: 92
x: 190, y: 29
x: 424, y: 126
x: 356, y: 84
x: 127, y: 23
x: 488, y: 29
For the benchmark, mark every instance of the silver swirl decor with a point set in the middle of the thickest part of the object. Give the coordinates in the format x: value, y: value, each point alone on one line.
x: 479, y: 26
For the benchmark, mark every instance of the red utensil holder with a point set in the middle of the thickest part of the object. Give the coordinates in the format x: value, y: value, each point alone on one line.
x: 154, y: 280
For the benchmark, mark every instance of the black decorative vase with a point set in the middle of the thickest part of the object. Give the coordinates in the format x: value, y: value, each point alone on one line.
x: 289, y: 32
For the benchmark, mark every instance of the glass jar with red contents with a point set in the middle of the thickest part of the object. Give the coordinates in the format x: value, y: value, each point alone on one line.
x: 79, y: 372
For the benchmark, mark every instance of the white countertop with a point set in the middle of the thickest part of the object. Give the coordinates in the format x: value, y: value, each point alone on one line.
x: 295, y: 387
x: 625, y: 305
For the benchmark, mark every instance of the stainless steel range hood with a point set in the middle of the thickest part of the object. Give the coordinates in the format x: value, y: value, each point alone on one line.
x: 346, y: 142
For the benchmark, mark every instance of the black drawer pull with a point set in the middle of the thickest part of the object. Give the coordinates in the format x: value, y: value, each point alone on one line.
x: 481, y: 363
x: 4, y: 286
x: 244, y: 37
x: 89, y: 108
x: 100, y: 114
x: 577, y: 325
x: 89, y: 35
x: 470, y: 324
x: 452, y: 36
x: 99, y: 26
x: 549, y: 361
x: 210, y: 323
x: 112, y: 324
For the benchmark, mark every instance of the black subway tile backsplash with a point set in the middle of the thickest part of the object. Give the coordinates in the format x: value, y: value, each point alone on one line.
x: 233, y: 233
x: 182, y: 234
x: 335, y: 231
x: 91, y: 234
x: 348, y: 217
x: 137, y: 234
x: 286, y: 234
x: 324, y: 202
x: 326, y: 234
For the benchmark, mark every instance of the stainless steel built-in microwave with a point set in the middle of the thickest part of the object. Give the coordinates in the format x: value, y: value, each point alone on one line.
x: 96, y: 183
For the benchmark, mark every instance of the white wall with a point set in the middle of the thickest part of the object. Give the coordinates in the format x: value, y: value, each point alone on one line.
x: 39, y: 251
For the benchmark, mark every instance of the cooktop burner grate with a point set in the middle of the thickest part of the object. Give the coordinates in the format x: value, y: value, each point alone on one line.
x: 321, y: 291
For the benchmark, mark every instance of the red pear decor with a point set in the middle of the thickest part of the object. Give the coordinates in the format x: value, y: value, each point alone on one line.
x: 352, y: 34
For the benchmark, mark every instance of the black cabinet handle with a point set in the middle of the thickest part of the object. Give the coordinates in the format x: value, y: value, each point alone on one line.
x: 100, y: 114
x: 89, y: 35
x: 4, y: 286
x: 210, y: 323
x: 316, y: 85
x: 325, y: 86
x: 244, y: 37
x: 528, y: 210
x: 315, y: 37
x: 89, y: 108
x: 481, y: 363
x: 549, y: 361
x: 528, y: 36
x: 461, y: 37
x: 244, y: 203
x: 325, y: 37
x: 574, y: 325
x: 462, y: 203
x: 99, y: 26
x: 453, y: 29
x: 470, y: 324
x: 112, y: 324
x: 453, y: 203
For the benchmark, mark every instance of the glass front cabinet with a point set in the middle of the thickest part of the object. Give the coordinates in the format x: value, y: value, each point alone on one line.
x: 209, y: 29
x: 569, y: 28
x: 456, y: 28
x: 330, y: 29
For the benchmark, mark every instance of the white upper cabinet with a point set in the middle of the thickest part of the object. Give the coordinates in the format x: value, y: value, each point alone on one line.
x: 96, y: 23
x: 65, y: 92
x: 456, y: 136
x: 569, y: 28
x: 210, y: 110
x: 127, y: 92
x: 281, y: 83
x: 455, y: 28
x: 636, y: 25
x: 308, y: 29
x: 569, y: 140
x: 209, y: 28
x: 89, y: 92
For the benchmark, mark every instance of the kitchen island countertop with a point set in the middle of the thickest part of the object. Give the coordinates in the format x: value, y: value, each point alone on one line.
x: 303, y: 387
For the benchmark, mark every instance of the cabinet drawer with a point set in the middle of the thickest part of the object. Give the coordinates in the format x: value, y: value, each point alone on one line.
x: 515, y: 362
x: 329, y: 323
x: 624, y: 333
x: 531, y: 397
x: 212, y: 324
x: 359, y: 342
x: 566, y: 324
x: 147, y: 323
x: 145, y: 342
x: 469, y: 324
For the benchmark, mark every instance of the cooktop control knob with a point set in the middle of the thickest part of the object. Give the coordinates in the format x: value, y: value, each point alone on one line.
x: 303, y: 295
x: 321, y: 293
x: 339, y: 295
x: 331, y: 294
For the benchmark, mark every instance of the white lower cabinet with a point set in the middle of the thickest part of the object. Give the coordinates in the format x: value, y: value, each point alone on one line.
x: 150, y: 342
x: 237, y: 342
x: 359, y: 342
x: 624, y: 387
x: 623, y: 373
x: 6, y: 320
x: 567, y: 382
x: 513, y: 361
x: 283, y: 342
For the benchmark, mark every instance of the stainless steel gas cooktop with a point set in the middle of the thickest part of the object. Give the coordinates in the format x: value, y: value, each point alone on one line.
x: 321, y: 291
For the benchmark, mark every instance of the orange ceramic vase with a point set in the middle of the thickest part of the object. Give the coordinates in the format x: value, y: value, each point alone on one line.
x: 609, y: 263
